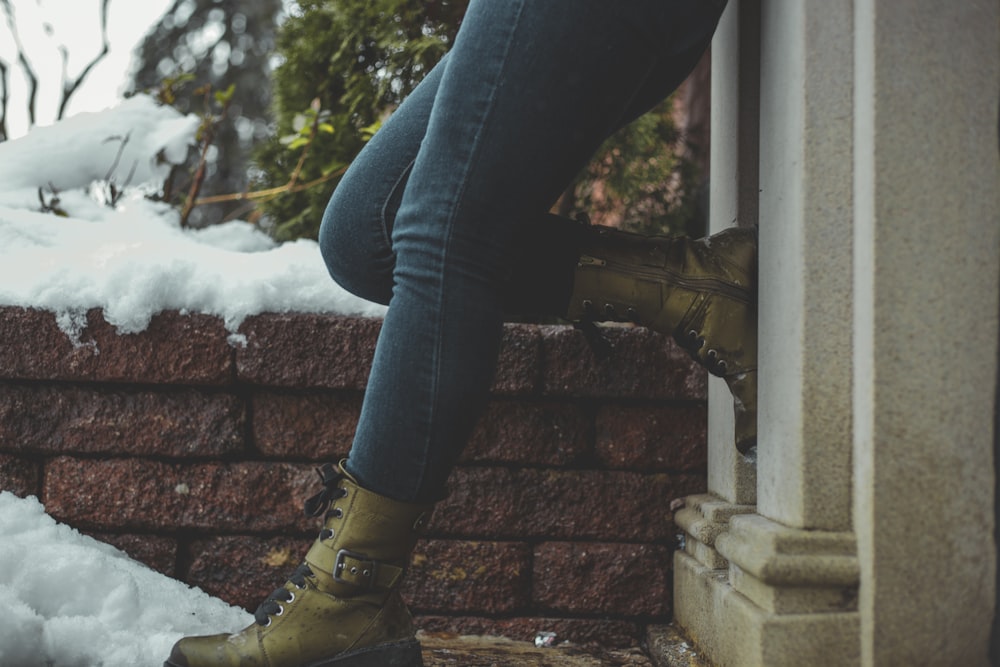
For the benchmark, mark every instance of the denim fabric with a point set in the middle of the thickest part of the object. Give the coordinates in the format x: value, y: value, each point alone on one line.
x: 438, y: 210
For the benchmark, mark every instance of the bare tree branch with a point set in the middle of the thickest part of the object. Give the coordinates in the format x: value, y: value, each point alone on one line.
x: 22, y: 60
x: 4, y: 100
x: 70, y: 86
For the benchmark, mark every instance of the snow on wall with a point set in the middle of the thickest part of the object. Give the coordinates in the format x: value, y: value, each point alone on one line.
x: 134, y: 260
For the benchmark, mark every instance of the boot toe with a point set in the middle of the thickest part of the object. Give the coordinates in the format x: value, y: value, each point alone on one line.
x: 177, y: 657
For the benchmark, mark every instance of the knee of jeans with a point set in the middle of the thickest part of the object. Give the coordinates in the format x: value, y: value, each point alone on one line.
x: 362, y: 271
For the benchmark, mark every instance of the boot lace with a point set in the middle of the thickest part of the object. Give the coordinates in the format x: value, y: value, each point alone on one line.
x: 693, y: 342
x: 272, y: 605
x: 330, y: 476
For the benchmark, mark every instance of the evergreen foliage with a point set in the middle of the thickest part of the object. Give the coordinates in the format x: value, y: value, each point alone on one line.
x: 359, y: 58
x: 641, y: 179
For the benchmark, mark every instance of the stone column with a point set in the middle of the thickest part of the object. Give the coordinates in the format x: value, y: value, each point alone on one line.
x: 732, y: 478
x: 872, y: 538
x: 927, y: 257
x: 787, y: 595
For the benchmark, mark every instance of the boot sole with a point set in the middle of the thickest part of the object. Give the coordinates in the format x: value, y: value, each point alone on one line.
x: 396, y: 654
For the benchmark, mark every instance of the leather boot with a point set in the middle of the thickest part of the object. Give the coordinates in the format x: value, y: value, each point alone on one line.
x: 341, y: 607
x: 702, y: 292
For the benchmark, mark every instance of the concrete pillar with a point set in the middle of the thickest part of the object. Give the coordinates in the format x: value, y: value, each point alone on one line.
x: 787, y: 593
x: 733, y: 200
x: 806, y: 171
x: 878, y: 191
x: 732, y: 478
x: 927, y: 258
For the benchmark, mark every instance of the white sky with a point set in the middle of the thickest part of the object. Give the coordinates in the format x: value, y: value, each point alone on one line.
x: 75, y: 24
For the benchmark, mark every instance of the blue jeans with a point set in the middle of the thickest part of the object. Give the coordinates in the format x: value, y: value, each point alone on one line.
x: 442, y: 215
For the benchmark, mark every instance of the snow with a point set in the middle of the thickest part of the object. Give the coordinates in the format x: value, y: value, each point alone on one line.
x: 134, y: 260
x: 66, y: 599
x: 71, y: 601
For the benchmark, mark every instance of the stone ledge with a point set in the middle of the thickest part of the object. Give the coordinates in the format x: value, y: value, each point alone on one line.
x: 703, y: 519
x: 729, y: 629
x: 782, y: 556
x: 789, y: 571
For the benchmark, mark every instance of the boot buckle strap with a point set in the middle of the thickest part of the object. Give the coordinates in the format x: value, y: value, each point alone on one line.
x: 355, y: 569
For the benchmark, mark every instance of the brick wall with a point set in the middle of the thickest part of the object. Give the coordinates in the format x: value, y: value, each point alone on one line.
x: 194, y: 457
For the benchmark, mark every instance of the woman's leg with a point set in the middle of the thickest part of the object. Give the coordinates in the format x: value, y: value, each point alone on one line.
x: 355, y: 235
x: 528, y: 93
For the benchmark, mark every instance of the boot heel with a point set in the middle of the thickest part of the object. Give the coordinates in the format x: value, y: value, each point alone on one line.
x: 396, y: 654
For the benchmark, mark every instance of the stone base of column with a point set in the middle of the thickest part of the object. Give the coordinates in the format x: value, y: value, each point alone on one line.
x: 751, y: 592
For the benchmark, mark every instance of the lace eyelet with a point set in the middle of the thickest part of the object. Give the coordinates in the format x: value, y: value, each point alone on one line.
x: 281, y: 610
x: 268, y: 622
x: 338, y: 513
x: 291, y: 598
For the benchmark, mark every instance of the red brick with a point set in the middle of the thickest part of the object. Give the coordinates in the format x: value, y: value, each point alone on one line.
x: 600, y: 632
x: 306, y: 350
x: 134, y: 494
x: 530, y: 433
x: 652, y: 438
x: 244, y: 570
x: 596, y: 578
x: 483, y: 577
x: 497, y: 503
x: 19, y: 476
x: 519, y: 365
x: 70, y: 420
x: 159, y: 553
x: 642, y: 364
x: 174, y: 349
x: 318, y: 427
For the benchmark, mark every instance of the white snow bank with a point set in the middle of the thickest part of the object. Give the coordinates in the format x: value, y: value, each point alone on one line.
x: 83, y: 148
x: 134, y: 260
x: 71, y: 601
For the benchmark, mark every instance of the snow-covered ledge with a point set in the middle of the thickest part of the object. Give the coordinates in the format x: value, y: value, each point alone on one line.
x: 867, y: 145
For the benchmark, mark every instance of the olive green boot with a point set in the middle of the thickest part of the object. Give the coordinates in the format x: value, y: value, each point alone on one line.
x: 702, y: 292
x: 340, y: 608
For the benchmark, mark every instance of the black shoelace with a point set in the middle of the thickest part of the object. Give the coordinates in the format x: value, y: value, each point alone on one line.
x: 330, y: 476
x: 271, y: 606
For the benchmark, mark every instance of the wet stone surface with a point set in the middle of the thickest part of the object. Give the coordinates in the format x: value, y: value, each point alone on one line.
x: 441, y: 650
